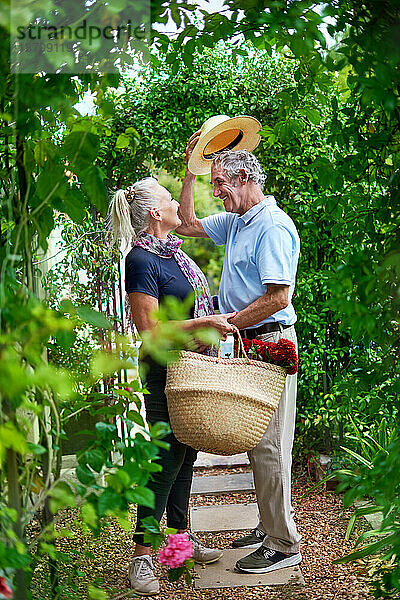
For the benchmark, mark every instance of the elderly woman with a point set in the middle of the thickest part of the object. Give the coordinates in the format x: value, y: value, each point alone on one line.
x: 156, y: 267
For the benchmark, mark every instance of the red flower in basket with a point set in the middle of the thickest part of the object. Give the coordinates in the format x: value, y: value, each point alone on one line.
x: 282, y: 353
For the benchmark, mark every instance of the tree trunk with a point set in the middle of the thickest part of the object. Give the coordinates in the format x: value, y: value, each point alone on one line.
x: 14, y: 502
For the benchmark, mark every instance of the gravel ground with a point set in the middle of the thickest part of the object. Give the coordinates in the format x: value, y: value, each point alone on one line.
x: 321, y: 520
x: 208, y: 472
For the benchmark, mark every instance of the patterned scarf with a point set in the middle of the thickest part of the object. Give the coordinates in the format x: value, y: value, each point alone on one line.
x: 195, y: 276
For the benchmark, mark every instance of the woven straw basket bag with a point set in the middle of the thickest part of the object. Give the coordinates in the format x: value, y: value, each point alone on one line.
x: 222, y: 405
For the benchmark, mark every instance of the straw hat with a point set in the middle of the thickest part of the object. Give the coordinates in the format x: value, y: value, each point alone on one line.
x: 223, y: 133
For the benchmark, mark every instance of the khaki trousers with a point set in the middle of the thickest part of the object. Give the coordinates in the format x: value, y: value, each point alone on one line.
x: 271, y: 461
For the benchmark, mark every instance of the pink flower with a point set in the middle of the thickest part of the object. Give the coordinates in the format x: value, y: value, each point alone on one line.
x: 178, y: 549
x: 4, y: 589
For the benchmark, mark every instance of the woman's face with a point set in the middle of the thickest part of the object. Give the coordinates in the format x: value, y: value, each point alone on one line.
x: 167, y: 209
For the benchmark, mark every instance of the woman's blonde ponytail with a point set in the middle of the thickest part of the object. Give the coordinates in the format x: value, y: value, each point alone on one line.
x: 129, y: 211
x: 121, y: 228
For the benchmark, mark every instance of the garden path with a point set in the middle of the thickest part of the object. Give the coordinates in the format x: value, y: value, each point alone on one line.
x: 320, y: 517
x: 230, y: 517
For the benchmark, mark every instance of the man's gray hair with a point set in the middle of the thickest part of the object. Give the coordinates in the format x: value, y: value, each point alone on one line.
x: 232, y: 161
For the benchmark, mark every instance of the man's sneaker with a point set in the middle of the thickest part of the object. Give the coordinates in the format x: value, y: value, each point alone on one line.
x: 253, y: 540
x: 264, y: 560
x: 142, y: 577
x: 202, y: 554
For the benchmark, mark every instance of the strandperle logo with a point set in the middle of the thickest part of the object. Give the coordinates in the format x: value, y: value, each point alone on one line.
x: 81, y: 32
x: 95, y: 39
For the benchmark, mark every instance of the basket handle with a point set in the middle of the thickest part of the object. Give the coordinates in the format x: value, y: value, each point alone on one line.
x: 241, y: 345
x: 241, y: 342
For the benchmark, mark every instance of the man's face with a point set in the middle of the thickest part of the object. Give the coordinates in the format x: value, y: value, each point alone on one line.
x: 225, y: 189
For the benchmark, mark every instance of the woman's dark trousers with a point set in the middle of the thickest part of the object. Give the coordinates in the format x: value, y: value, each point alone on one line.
x: 171, y: 486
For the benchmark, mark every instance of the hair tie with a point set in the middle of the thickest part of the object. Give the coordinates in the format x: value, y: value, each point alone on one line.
x: 130, y: 193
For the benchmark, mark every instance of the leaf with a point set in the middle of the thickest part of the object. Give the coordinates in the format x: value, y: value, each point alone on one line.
x: 67, y: 307
x: 75, y: 205
x: 367, y: 551
x: 43, y: 151
x: 61, y: 496
x: 93, y: 184
x: 105, y: 430
x: 141, y: 495
x: 175, y: 14
x: 81, y: 145
x: 296, y: 125
x: 171, y: 58
x: 29, y: 159
x: 358, y: 457
x: 84, y: 475
x: 109, y: 501
x: 65, y: 339
x: 299, y: 46
x: 93, y: 317
x: 104, y: 363
x: 326, y: 174
x: 45, y: 224
x: 95, y: 459
x: 152, y: 467
x: 51, y: 182
x: 11, y: 438
x: 36, y: 448
x: 89, y: 515
x: 188, y: 577
x: 95, y: 593
x: 136, y: 418
x: 160, y: 444
x: 123, y: 141
x: 283, y: 131
x: 151, y: 525
x: 259, y: 42
x: 312, y: 114
x: 188, y: 59
x: 175, y: 574
x: 159, y: 429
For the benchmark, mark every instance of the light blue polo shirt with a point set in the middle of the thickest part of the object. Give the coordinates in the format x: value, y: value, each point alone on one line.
x: 262, y: 247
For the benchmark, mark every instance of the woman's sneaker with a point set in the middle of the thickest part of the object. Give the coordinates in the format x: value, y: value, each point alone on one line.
x: 253, y: 540
x: 202, y: 554
x: 142, y: 576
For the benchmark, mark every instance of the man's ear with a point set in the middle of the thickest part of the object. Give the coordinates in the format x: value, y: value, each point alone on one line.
x: 155, y: 213
x: 243, y: 176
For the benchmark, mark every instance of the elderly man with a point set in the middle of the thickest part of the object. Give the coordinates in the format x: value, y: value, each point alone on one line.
x: 258, y: 279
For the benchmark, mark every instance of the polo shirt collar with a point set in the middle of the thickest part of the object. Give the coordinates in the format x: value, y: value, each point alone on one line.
x: 254, y: 210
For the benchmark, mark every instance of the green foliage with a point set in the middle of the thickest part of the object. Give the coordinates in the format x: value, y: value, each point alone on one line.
x: 166, y: 104
x: 330, y: 114
x: 379, y: 481
x: 87, y: 275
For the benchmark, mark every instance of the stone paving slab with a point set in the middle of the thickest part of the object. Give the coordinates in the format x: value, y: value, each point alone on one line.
x: 375, y: 519
x: 221, y: 574
x: 68, y: 466
x: 224, y: 517
x: 223, y: 484
x: 215, y: 460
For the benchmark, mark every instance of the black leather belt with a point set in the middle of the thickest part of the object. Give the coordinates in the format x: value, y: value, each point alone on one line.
x: 250, y: 334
